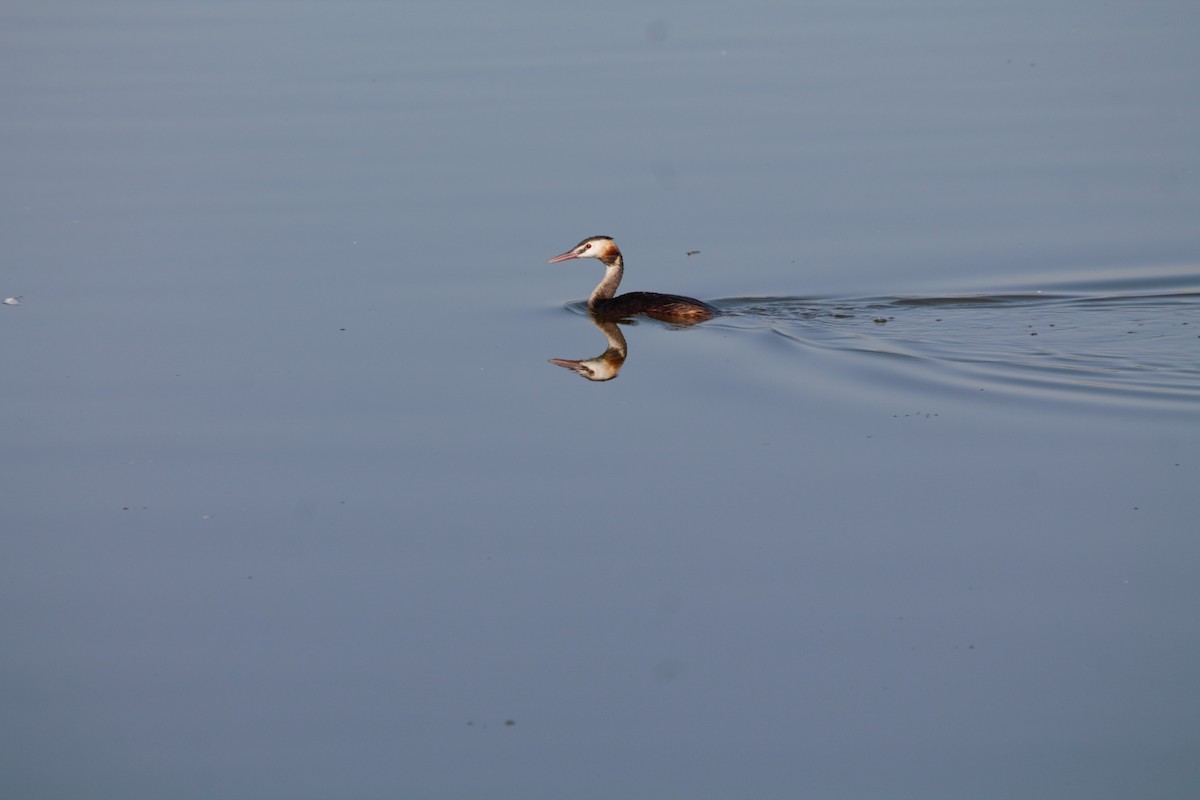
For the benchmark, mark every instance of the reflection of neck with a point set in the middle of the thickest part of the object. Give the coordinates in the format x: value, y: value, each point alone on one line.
x: 612, y: 279
x: 617, y: 348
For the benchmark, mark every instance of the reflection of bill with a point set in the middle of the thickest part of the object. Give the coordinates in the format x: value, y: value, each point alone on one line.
x: 605, y: 366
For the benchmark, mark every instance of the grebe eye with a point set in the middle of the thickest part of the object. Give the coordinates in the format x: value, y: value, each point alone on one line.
x: 587, y: 246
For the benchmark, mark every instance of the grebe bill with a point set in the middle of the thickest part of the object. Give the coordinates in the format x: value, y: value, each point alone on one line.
x: 604, y: 303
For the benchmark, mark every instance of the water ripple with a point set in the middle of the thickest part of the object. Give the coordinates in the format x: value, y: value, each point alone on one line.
x: 1117, y: 338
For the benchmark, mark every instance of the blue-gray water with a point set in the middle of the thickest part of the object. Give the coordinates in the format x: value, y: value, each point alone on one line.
x: 293, y: 505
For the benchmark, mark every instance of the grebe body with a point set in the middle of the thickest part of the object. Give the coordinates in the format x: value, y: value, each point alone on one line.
x: 606, y: 305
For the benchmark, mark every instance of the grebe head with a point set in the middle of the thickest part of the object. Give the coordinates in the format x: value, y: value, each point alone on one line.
x: 601, y: 247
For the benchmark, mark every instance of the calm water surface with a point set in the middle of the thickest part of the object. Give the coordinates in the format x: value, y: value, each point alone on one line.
x: 294, y: 505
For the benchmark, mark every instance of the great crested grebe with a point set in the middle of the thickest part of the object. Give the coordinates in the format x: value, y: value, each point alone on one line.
x: 604, y: 305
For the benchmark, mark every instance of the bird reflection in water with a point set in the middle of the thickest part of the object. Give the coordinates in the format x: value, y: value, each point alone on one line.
x: 605, y: 366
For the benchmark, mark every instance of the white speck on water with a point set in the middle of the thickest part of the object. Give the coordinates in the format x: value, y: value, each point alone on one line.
x: 13, y: 301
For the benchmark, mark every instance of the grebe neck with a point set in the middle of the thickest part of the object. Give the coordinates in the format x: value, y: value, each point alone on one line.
x: 614, y: 268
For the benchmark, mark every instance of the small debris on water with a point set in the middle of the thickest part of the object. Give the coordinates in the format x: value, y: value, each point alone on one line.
x: 12, y: 301
x: 693, y: 252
